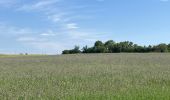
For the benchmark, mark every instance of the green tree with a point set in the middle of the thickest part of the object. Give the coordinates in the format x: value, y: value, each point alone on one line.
x: 85, y: 49
x: 126, y: 46
x: 99, y: 47
x: 112, y: 47
x: 66, y: 52
x: 75, y: 50
x: 109, y: 45
x: 98, y: 43
x: 168, y: 47
x: 161, y: 48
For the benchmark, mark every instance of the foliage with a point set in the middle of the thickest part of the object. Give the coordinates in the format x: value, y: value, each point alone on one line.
x: 112, y: 47
x: 73, y: 51
x: 161, y: 48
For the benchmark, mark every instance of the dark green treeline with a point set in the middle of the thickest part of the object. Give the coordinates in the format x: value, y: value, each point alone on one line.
x: 121, y: 47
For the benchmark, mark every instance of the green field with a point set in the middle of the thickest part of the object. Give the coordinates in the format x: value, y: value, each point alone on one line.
x: 86, y: 77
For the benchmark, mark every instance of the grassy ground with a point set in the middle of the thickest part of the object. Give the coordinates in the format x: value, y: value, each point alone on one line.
x: 85, y: 77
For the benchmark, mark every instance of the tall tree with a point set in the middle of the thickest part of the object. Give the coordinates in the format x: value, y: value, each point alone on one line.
x: 161, y: 48
x: 98, y: 43
x: 109, y: 45
x: 168, y: 47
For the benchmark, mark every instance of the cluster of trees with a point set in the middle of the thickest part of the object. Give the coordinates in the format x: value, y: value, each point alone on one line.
x: 111, y: 46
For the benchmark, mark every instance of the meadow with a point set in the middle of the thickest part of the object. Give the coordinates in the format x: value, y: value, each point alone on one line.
x: 121, y: 76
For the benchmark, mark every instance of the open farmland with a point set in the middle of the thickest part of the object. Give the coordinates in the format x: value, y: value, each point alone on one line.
x: 86, y: 77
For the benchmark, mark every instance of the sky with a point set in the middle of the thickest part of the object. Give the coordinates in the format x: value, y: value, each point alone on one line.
x: 50, y: 26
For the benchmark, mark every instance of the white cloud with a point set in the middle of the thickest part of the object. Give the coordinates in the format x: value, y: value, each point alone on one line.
x: 52, y: 40
x: 48, y: 33
x: 88, y: 36
x: 50, y: 47
x: 72, y: 26
x: 42, y: 44
x: 56, y: 16
x: 41, y: 5
x: 52, y: 13
x: 12, y: 30
x: 30, y: 39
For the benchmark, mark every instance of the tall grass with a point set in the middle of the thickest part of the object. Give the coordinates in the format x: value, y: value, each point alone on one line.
x: 86, y: 77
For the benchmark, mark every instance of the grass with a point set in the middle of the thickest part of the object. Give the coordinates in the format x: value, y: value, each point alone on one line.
x: 86, y: 77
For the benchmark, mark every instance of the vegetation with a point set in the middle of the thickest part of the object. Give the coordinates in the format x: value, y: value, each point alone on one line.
x: 139, y: 76
x: 113, y: 47
x: 73, y: 51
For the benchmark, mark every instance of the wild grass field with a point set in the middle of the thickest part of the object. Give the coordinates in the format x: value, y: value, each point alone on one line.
x: 86, y: 77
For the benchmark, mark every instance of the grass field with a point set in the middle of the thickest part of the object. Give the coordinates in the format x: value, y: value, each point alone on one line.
x: 85, y: 77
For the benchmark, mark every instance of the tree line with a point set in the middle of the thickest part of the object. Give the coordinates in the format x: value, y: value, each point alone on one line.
x: 111, y: 46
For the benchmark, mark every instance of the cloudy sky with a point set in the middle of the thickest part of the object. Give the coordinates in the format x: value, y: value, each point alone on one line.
x: 50, y: 26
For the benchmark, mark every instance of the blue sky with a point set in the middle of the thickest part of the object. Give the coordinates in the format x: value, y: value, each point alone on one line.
x: 50, y: 26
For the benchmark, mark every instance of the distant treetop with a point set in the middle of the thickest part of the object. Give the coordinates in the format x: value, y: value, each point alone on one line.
x: 111, y: 46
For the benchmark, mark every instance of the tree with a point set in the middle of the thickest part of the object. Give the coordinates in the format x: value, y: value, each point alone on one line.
x: 138, y: 48
x: 112, y: 47
x: 168, y: 47
x: 149, y: 48
x: 98, y: 43
x: 126, y: 46
x: 66, y: 52
x: 99, y: 47
x: 75, y: 50
x: 161, y: 48
x: 109, y: 45
x: 85, y: 49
